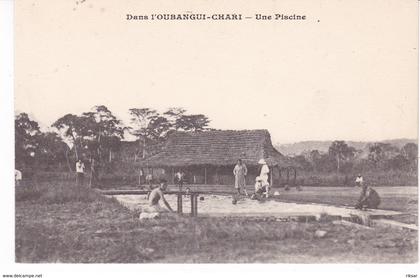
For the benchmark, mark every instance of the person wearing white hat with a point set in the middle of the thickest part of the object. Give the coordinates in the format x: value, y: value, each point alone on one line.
x: 264, y: 175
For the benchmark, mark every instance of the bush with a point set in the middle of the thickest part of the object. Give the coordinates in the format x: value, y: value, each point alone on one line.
x: 57, y: 193
x: 28, y: 193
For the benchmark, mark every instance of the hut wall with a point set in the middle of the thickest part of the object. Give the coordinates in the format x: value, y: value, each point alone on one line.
x: 216, y: 175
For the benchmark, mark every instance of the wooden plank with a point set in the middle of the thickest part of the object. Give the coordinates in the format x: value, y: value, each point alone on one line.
x: 394, y: 224
x: 145, y: 192
x: 351, y: 224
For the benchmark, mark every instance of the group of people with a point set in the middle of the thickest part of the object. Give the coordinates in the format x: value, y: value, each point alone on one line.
x: 262, y: 186
x: 369, y: 198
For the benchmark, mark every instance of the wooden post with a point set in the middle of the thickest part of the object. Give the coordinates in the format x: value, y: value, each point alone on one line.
x: 194, y: 205
x: 279, y: 182
x: 179, y: 203
x: 271, y: 176
x: 205, y: 175
x: 141, y: 172
x: 172, y: 176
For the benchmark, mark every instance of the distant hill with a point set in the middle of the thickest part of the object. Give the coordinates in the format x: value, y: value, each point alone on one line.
x: 322, y: 146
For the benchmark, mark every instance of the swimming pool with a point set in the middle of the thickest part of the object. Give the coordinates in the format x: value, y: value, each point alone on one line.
x: 221, y: 205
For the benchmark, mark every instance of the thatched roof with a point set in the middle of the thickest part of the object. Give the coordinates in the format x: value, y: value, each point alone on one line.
x: 219, y: 147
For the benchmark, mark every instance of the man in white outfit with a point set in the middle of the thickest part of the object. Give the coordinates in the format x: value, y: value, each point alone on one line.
x: 18, y: 177
x: 80, y: 172
x: 264, y: 175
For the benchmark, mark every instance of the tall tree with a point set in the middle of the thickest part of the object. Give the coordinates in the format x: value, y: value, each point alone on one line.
x: 91, y: 135
x: 73, y: 129
x: 197, y: 122
x: 52, y: 150
x: 410, y: 152
x: 380, y: 152
x: 104, y: 129
x: 173, y: 115
x: 158, y: 128
x: 314, y: 157
x: 26, y: 133
x: 104, y: 133
x: 142, y: 120
x: 341, y: 152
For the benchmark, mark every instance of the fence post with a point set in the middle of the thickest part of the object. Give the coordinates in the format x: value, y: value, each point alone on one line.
x: 179, y: 203
x: 194, y: 209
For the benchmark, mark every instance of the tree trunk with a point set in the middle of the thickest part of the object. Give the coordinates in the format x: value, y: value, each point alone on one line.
x: 94, y: 173
x: 144, y: 148
x: 75, y: 148
x: 68, y: 161
x: 338, y: 164
x: 99, y: 148
x: 91, y: 172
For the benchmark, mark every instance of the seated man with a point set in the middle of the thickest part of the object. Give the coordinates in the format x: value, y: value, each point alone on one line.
x: 369, y: 198
x: 154, y: 198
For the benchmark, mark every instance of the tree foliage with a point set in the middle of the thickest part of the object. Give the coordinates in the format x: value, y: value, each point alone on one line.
x: 341, y: 152
x: 193, y: 123
x: 26, y: 138
x: 152, y: 128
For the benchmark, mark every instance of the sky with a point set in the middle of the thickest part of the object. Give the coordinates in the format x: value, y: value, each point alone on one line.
x: 347, y: 72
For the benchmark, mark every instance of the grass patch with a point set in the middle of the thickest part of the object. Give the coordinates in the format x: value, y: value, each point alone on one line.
x: 58, y: 193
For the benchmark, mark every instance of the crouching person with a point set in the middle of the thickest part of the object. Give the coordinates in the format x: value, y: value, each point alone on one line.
x: 261, y: 189
x: 369, y: 198
x: 154, y: 209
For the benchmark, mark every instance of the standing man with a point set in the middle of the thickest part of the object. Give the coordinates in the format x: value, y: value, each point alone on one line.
x: 359, y: 180
x: 179, y: 179
x: 18, y: 177
x: 240, y: 172
x: 264, y: 175
x: 80, y: 171
x: 149, y: 180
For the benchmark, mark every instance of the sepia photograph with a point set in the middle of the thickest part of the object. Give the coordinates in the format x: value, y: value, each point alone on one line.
x: 215, y: 132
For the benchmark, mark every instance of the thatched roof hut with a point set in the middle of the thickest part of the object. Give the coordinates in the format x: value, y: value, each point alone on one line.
x: 209, y: 156
x: 218, y: 147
